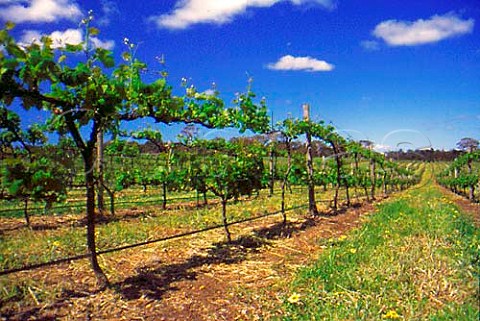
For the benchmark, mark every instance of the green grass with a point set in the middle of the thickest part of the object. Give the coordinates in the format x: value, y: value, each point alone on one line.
x: 416, y: 258
x: 24, y: 246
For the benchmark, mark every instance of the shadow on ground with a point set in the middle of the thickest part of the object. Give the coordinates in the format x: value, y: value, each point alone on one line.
x: 154, y: 281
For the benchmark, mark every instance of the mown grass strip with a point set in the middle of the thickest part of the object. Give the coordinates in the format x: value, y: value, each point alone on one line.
x: 416, y: 258
x: 23, y: 246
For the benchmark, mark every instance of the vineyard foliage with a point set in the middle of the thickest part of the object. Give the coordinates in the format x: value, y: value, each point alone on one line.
x: 462, y: 176
x: 94, y: 96
x: 86, y: 100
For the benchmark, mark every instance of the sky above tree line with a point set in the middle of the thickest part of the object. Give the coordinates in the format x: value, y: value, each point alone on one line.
x: 404, y: 74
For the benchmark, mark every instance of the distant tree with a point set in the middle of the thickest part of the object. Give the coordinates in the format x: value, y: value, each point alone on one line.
x: 468, y: 144
x: 366, y: 143
x: 188, y: 134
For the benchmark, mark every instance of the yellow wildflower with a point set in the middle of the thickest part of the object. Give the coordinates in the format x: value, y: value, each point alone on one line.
x: 294, y: 298
x: 392, y: 314
x: 353, y: 251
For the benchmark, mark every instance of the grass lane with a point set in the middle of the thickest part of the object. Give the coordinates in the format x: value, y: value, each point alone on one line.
x: 416, y: 258
x: 23, y: 246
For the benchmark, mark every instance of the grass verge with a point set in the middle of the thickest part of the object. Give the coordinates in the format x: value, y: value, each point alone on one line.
x: 416, y: 258
x: 22, y: 246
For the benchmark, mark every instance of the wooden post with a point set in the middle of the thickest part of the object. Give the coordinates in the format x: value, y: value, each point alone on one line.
x: 312, y: 206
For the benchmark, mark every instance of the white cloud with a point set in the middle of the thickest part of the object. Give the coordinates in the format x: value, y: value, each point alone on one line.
x: 209, y: 92
x: 370, y: 45
x: 307, y: 63
x: 380, y: 148
x: 61, y: 38
x: 189, y: 12
x: 407, y: 33
x: 30, y: 36
x: 69, y: 36
x: 110, y: 10
x: 108, y: 44
x: 40, y: 11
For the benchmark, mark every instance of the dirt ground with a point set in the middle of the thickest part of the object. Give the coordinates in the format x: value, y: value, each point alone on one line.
x: 470, y: 208
x: 193, y: 278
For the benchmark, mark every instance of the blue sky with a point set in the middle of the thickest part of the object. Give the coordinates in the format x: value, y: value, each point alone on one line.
x: 400, y: 73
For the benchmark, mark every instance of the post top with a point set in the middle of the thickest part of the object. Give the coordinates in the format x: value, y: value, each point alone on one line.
x: 306, y: 111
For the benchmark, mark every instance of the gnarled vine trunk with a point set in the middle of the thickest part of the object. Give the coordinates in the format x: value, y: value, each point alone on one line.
x: 312, y: 205
x: 272, y: 171
x: 471, y: 193
x: 100, y: 170
x: 102, y: 281
x: 225, y: 222
x: 285, y: 178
